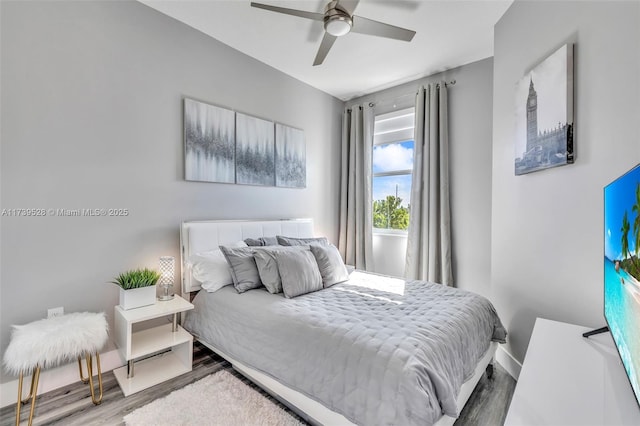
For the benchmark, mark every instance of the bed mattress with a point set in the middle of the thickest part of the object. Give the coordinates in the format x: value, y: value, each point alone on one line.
x: 378, y: 350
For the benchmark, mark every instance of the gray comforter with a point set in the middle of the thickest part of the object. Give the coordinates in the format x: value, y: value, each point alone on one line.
x: 378, y: 350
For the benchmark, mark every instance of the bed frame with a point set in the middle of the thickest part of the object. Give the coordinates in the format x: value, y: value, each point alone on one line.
x: 199, y: 236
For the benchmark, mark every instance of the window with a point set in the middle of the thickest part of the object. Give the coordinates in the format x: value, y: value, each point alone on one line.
x: 392, y: 169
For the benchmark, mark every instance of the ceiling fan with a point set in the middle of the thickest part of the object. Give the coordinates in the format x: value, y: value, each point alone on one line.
x: 338, y: 21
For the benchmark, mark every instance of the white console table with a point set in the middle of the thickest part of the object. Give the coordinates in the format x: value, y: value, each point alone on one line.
x: 569, y: 380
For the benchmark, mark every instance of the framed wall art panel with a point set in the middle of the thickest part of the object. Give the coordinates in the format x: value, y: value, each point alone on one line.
x: 255, y: 151
x: 544, y: 114
x: 209, y: 137
x: 291, y: 157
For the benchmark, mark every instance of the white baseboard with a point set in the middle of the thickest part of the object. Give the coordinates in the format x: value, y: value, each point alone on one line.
x: 56, y: 378
x: 506, y: 360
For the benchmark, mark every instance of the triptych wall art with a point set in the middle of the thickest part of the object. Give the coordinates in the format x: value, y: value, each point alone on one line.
x: 230, y: 147
x: 544, y: 114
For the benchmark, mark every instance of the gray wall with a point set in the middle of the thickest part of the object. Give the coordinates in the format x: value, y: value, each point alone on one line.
x: 92, y: 118
x: 470, y: 109
x: 547, y: 232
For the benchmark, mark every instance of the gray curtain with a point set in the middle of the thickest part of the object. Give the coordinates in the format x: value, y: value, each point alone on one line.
x: 429, y: 241
x: 355, y: 243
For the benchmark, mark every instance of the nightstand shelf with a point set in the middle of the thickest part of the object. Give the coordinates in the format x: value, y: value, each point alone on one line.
x: 150, y: 372
x: 140, y: 372
x: 156, y: 339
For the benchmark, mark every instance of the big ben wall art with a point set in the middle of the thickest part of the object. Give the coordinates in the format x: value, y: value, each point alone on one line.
x: 544, y: 114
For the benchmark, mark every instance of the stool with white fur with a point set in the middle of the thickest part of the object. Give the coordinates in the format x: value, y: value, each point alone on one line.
x: 53, y: 341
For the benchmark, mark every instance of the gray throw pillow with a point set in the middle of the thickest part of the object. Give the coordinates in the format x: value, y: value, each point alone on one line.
x: 269, y: 241
x: 243, y: 268
x: 262, y: 241
x: 330, y: 264
x: 268, y: 268
x: 290, y: 241
x: 299, y: 272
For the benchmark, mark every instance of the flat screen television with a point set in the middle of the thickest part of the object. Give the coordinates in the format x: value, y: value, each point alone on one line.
x: 622, y: 270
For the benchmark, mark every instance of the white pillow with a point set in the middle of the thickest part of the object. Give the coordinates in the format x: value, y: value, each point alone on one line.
x: 211, y: 268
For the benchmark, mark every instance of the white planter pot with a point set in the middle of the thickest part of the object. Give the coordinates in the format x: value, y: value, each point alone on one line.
x: 137, y: 297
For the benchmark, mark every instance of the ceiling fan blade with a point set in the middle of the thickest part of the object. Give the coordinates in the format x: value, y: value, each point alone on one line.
x: 300, y: 13
x: 349, y: 5
x: 325, y: 46
x: 368, y: 26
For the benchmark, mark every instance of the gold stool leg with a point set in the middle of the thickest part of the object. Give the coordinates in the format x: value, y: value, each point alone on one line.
x: 19, y: 404
x: 84, y: 380
x: 34, y: 390
x: 32, y: 395
x: 89, y: 359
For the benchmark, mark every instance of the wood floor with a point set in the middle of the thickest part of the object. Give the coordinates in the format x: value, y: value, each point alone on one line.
x: 72, y: 406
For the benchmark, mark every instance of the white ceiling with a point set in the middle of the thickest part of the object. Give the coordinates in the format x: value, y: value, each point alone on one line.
x: 450, y: 33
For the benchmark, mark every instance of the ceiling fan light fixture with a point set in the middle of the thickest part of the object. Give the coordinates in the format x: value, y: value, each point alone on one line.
x: 338, y: 25
x: 339, y: 21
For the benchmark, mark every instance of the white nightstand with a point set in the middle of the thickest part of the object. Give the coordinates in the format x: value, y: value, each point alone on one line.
x: 140, y: 344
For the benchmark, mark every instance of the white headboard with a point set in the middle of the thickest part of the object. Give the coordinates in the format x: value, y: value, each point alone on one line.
x: 199, y: 236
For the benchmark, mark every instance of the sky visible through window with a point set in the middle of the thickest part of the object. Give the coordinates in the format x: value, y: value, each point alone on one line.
x: 393, y: 157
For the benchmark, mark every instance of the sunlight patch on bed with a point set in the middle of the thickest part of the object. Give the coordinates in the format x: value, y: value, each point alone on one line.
x: 359, y: 293
x: 377, y: 282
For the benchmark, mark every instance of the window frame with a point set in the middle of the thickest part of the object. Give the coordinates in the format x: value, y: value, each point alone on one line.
x: 401, y: 172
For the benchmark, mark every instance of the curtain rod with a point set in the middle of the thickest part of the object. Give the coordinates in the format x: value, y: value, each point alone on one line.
x: 372, y: 104
x: 447, y: 83
x: 394, y: 99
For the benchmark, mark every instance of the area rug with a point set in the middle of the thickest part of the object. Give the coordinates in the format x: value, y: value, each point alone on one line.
x: 218, y: 399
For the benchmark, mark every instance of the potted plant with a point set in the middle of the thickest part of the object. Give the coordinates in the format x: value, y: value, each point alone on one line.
x: 137, y: 287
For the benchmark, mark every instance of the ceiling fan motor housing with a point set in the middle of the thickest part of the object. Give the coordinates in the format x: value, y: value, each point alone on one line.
x: 337, y: 21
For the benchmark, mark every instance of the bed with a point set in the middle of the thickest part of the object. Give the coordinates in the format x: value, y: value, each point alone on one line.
x: 365, y: 351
